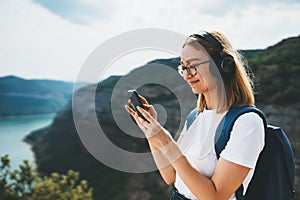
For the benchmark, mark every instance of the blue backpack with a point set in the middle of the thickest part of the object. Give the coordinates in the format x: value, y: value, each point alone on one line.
x: 274, y: 174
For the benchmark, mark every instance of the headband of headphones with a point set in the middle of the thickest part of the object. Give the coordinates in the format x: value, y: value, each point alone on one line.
x: 225, y: 63
x: 210, y: 39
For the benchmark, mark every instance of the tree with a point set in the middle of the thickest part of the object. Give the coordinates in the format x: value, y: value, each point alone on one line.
x: 24, y: 184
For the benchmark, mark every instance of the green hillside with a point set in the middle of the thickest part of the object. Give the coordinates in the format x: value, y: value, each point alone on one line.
x: 283, y: 53
x: 25, y: 97
x: 277, y: 71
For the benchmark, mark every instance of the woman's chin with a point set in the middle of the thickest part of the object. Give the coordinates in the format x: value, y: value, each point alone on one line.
x: 196, y: 91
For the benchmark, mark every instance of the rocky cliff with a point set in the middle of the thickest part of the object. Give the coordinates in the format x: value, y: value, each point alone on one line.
x: 58, y: 147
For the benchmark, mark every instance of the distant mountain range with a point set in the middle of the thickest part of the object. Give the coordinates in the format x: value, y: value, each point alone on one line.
x: 58, y: 147
x: 277, y: 70
x: 275, y: 67
x: 19, y: 96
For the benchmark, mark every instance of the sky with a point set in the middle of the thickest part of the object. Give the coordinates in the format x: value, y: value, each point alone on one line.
x: 51, y: 39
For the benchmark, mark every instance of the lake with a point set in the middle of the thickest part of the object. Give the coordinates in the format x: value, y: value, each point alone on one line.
x: 12, y: 133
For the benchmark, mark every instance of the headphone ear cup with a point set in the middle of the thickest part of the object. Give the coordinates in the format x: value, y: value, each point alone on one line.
x: 227, y: 64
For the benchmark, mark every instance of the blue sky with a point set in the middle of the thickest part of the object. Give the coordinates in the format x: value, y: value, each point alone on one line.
x: 81, y: 12
x: 52, y: 38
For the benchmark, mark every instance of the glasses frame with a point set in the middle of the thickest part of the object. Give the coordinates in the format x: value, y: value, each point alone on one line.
x: 181, y: 68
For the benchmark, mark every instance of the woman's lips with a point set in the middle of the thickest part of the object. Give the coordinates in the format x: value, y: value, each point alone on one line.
x: 192, y: 83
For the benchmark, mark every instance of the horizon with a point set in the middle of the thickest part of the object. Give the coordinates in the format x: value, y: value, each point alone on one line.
x: 52, y: 39
x: 130, y: 68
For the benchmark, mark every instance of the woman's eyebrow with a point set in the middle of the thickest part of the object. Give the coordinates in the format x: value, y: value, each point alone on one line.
x: 191, y: 60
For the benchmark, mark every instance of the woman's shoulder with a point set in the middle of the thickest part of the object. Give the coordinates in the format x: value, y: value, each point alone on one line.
x: 249, y: 125
x: 246, y: 140
x: 250, y: 119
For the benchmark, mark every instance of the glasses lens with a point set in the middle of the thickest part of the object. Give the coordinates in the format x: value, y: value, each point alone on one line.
x: 190, y: 70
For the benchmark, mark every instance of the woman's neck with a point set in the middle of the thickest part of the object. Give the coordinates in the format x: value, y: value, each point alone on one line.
x: 210, y: 100
x: 209, y: 105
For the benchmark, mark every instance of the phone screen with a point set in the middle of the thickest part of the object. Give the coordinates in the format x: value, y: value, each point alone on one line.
x: 136, y: 102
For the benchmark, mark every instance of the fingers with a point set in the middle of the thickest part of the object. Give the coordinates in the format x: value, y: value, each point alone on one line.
x: 134, y: 114
x: 147, y: 107
x: 140, y: 122
x: 147, y: 123
x: 151, y: 110
x: 145, y: 114
x: 131, y: 112
x: 131, y: 103
x: 143, y: 99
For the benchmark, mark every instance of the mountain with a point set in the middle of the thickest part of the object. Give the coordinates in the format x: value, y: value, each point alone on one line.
x: 283, y: 53
x: 277, y: 71
x: 25, y: 97
x: 60, y: 146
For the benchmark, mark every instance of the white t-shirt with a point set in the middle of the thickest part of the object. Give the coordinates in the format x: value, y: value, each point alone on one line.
x: 243, y: 148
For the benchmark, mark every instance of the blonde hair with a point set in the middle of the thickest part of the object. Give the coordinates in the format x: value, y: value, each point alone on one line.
x: 238, y: 87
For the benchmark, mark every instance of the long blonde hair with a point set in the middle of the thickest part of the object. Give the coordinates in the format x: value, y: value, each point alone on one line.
x: 239, y: 86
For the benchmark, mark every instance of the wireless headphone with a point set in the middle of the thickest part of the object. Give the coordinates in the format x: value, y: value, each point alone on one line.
x: 225, y: 63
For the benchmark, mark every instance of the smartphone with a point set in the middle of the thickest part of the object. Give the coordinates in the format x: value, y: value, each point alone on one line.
x: 134, y: 96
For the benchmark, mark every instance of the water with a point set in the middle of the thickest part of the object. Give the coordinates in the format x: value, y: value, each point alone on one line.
x: 12, y: 133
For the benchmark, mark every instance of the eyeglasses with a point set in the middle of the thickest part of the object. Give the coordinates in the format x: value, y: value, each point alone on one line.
x: 191, y: 70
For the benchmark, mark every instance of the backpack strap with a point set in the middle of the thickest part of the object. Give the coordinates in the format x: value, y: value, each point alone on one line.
x: 191, y: 117
x: 224, y: 136
x: 230, y: 118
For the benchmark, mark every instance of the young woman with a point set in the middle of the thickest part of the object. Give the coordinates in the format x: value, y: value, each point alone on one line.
x: 214, y: 71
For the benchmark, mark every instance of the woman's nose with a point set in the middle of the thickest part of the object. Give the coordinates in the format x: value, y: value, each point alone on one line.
x: 186, y: 75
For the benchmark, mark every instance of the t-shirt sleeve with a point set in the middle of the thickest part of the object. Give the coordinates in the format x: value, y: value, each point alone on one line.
x: 246, y: 140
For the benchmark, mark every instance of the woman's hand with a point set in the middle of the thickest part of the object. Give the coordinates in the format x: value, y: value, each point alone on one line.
x: 158, y: 137
x: 149, y: 108
x: 154, y: 132
x: 151, y: 127
x: 159, y: 146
